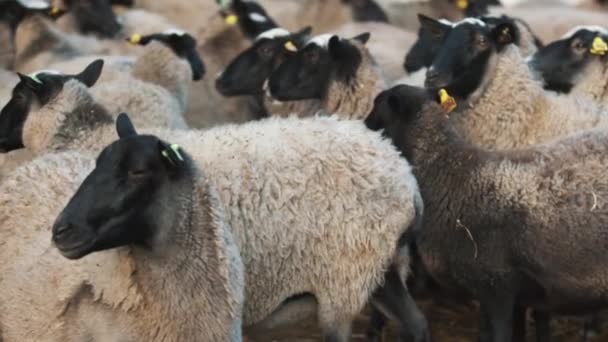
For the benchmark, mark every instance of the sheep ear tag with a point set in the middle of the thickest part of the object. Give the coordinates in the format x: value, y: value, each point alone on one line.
x: 231, y: 19
x: 172, y: 154
x: 462, y: 4
x: 599, y: 46
x: 134, y: 39
x: 290, y: 46
x: 447, y: 102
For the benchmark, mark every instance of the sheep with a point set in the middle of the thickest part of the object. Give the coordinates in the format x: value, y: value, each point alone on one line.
x: 494, y: 216
x: 423, y: 51
x: 575, y: 64
x: 12, y: 12
x: 500, y: 104
x: 172, y: 281
x: 339, y: 72
x: 247, y: 74
x: 90, y: 17
x: 84, y: 126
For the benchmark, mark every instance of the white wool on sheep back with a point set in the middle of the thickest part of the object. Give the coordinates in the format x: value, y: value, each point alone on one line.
x: 288, y: 185
x: 511, y: 109
x: 113, y: 295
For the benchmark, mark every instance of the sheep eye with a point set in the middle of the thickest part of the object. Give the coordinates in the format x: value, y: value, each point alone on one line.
x: 266, y: 51
x: 312, y: 57
x: 579, y: 45
x: 137, y: 174
x: 482, y: 41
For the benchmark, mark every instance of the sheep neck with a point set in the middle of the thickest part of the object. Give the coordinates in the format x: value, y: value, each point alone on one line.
x: 593, y: 82
x: 354, y: 98
x: 183, y: 274
x: 506, y: 101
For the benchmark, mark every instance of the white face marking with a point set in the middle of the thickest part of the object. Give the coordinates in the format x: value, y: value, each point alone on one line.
x: 472, y: 21
x: 273, y: 33
x: 175, y: 31
x: 597, y: 29
x: 34, y: 4
x: 446, y: 22
x: 321, y: 40
x: 258, y: 18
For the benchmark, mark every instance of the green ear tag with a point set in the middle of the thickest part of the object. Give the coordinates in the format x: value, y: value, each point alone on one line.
x: 35, y: 78
x: 173, y: 154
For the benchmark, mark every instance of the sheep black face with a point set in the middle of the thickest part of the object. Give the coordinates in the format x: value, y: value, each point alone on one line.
x: 395, y: 109
x: 561, y: 62
x: 466, y: 49
x: 95, y: 17
x: 182, y: 44
x: 425, y: 48
x: 252, y: 18
x: 307, y: 74
x: 116, y: 205
x: 13, y: 12
x: 246, y: 74
x: 35, y: 92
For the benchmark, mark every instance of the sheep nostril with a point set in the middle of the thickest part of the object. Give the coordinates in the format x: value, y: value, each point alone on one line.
x: 60, y: 231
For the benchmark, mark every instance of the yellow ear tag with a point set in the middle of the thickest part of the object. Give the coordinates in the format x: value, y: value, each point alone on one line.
x: 289, y: 46
x: 55, y: 10
x: 599, y: 46
x: 462, y: 4
x: 447, y: 102
x: 174, y: 152
x: 135, y: 38
x: 231, y: 19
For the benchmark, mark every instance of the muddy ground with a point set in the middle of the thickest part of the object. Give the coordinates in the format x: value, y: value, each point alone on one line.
x: 449, y: 323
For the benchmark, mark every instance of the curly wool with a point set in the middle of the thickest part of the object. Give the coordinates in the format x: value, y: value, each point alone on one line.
x: 116, y: 294
x: 527, y: 197
x: 592, y: 82
x: 287, y: 185
x: 510, y: 109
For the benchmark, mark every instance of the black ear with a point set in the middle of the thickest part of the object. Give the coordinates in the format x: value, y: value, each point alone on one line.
x: 30, y: 83
x: 124, y: 126
x: 172, y: 153
x: 397, y: 104
x: 91, y: 73
x: 504, y: 34
x: 434, y: 26
x: 340, y: 49
x: 303, y: 33
x: 363, y: 37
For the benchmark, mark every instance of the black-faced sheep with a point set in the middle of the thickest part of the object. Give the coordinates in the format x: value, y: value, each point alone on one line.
x: 500, y: 105
x: 159, y: 273
x: 339, y: 72
x: 492, y: 217
x: 576, y: 63
x: 316, y: 150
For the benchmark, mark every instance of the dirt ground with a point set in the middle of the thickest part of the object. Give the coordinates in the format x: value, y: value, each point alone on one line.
x: 448, y: 324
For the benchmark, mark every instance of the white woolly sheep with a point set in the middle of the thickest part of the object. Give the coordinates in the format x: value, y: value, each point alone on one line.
x: 317, y: 150
x: 187, y: 284
x: 500, y: 104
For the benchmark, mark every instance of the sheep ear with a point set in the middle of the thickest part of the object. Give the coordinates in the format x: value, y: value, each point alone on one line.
x: 124, y: 126
x: 302, y: 35
x: 504, y: 34
x: 363, y: 37
x: 434, y: 26
x: 29, y: 82
x: 340, y: 49
x: 91, y: 73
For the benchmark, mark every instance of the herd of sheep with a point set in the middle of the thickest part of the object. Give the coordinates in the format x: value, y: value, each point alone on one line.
x: 213, y: 170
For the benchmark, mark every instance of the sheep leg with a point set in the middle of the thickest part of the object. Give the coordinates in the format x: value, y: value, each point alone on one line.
x: 291, y: 312
x: 485, y: 329
x: 542, y: 321
x: 519, y: 323
x: 499, y: 309
x: 338, y: 332
x: 394, y: 300
x: 376, y: 325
